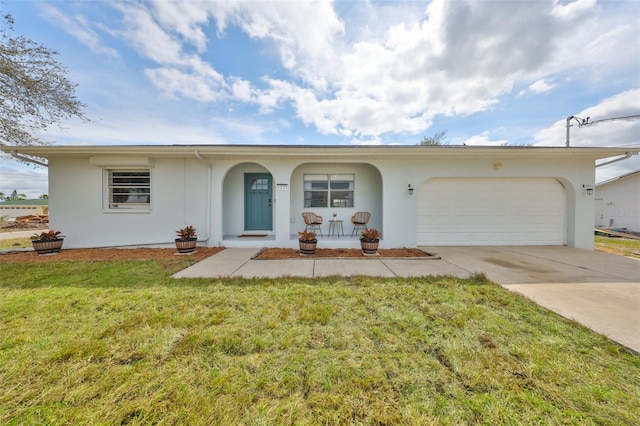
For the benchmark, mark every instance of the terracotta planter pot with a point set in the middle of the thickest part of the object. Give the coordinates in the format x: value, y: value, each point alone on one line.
x: 47, y: 246
x: 186, y: 246
x: 369, y: 246
x: 308, y: 247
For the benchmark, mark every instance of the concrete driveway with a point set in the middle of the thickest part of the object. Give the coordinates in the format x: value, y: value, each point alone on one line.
x: 598, y: 290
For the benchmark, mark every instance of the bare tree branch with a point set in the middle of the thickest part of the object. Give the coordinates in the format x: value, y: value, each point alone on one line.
x: 34, y: 90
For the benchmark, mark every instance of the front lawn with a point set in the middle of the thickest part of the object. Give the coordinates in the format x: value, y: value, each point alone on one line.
x: 97, y: 342
x: 621, y: 246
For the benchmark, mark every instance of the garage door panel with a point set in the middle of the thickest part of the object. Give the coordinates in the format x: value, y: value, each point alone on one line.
x: 491, y: 212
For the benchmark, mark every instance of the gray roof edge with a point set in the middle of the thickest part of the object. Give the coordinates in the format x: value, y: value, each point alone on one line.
x: 45, y: 151
x: 624, y: 176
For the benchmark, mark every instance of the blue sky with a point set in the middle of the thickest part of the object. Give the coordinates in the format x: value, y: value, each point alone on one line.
x: 340, y: 73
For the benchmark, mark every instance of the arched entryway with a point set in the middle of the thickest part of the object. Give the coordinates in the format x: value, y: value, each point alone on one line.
x: 247, y: 200
x: 339, y: 189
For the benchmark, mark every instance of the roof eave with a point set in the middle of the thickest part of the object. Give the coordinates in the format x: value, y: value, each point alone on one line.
x: 326, y: 151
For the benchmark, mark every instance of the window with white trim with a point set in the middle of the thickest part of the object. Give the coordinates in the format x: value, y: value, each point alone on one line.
x: 129, y: 189
x: 328, y: 190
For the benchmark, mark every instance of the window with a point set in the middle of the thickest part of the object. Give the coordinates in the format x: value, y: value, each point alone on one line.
x: 129, y: 189
x: 260, y: 184
x: 328, y: 190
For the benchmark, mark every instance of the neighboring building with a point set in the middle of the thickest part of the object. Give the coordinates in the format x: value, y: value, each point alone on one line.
x: 460, y: 195
x: 17, y: 208
x: 617, y: 203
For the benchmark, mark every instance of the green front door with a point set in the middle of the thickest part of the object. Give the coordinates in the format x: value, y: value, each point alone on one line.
x: 258, y: 195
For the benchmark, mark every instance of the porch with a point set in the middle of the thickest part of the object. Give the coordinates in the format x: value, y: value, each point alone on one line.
x: 262, y: 204
x: 269, y: 240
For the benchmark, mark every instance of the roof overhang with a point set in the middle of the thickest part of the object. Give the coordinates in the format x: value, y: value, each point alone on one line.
x: 328, y: 152
x: 619, y: 178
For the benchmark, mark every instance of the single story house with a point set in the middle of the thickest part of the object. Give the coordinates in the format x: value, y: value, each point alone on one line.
x: 17, y: 208
x: 617, y: 203
x: 254, y: 195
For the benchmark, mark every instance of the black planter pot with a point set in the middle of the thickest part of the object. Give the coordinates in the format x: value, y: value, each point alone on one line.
x: 186, y: 246
x: 47, y: 246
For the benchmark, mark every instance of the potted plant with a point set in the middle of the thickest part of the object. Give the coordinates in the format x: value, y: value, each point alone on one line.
x: 48, y: 242
x: 187, y: 239
x: 369, y: 240
x: 308, y: 242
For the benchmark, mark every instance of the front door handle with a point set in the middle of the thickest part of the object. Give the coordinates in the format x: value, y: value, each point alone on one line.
x: 269, y: 202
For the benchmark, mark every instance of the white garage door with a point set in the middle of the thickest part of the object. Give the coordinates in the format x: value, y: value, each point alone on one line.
x: 487, y: 211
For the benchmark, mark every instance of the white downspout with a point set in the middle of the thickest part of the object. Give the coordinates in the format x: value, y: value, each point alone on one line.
x: 615, y: 160
x: 209, y: 176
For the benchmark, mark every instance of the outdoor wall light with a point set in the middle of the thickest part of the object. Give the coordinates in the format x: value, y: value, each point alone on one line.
x: 588, y: 189
x: 410, y: 190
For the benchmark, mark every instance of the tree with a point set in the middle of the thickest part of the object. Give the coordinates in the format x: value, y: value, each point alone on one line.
x: 43, y: 196
x: 15, y: 196
x: 34, y: 90
x: 434, y: 140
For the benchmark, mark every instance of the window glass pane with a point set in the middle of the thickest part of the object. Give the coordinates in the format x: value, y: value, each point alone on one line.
x: 341, y: 185
x: 341, y: 198
x: 316, y: 198
x: 260, y: 184
x: 316, y: 186
x: 129, y: 189
x: 328, y: 190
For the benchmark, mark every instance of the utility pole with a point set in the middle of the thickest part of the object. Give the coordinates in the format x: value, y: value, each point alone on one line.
x: 581, y: 122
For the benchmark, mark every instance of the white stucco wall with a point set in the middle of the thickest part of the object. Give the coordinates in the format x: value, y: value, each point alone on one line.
x: 367, y: 195
x: 400, y: 207
x: 618, y: 203
x: 182, y: 191
x: 178, y: 198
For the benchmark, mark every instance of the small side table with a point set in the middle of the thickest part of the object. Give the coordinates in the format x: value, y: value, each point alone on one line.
x: 335, y: 226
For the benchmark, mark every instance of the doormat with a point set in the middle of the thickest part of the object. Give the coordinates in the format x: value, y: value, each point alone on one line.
x: 252, y: 236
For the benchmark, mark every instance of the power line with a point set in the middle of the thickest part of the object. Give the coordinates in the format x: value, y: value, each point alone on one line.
x: 585, y: 121
x: 628, y: 117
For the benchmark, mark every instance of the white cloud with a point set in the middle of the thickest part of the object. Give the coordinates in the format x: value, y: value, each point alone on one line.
x: 381, y: 68
x: 483, y: 139
x: 305, y: 32
x: 185, y: 18
x: 617, y: 132
x: 605, y: 133
x: 78, y: 27
x: 541, y: 86
x: 144, y: 33
x: 25, y: 179
x: 569, y: 9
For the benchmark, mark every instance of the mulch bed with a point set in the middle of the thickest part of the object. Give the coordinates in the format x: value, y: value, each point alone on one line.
x: 107, y: 254
x: 200, y: 254
x: 283, y: 253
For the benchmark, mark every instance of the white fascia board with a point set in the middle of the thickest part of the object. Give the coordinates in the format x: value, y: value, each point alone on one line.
x: 121, y: 161
x: 327, y: 152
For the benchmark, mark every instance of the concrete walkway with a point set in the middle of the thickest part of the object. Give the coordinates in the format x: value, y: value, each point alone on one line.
x: 598, y: 290
x: 238, y: 262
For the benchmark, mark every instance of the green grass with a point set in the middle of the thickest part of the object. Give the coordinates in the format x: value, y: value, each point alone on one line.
x: 621, y: 246
x: 15, y: 243
x: 122, y: 343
